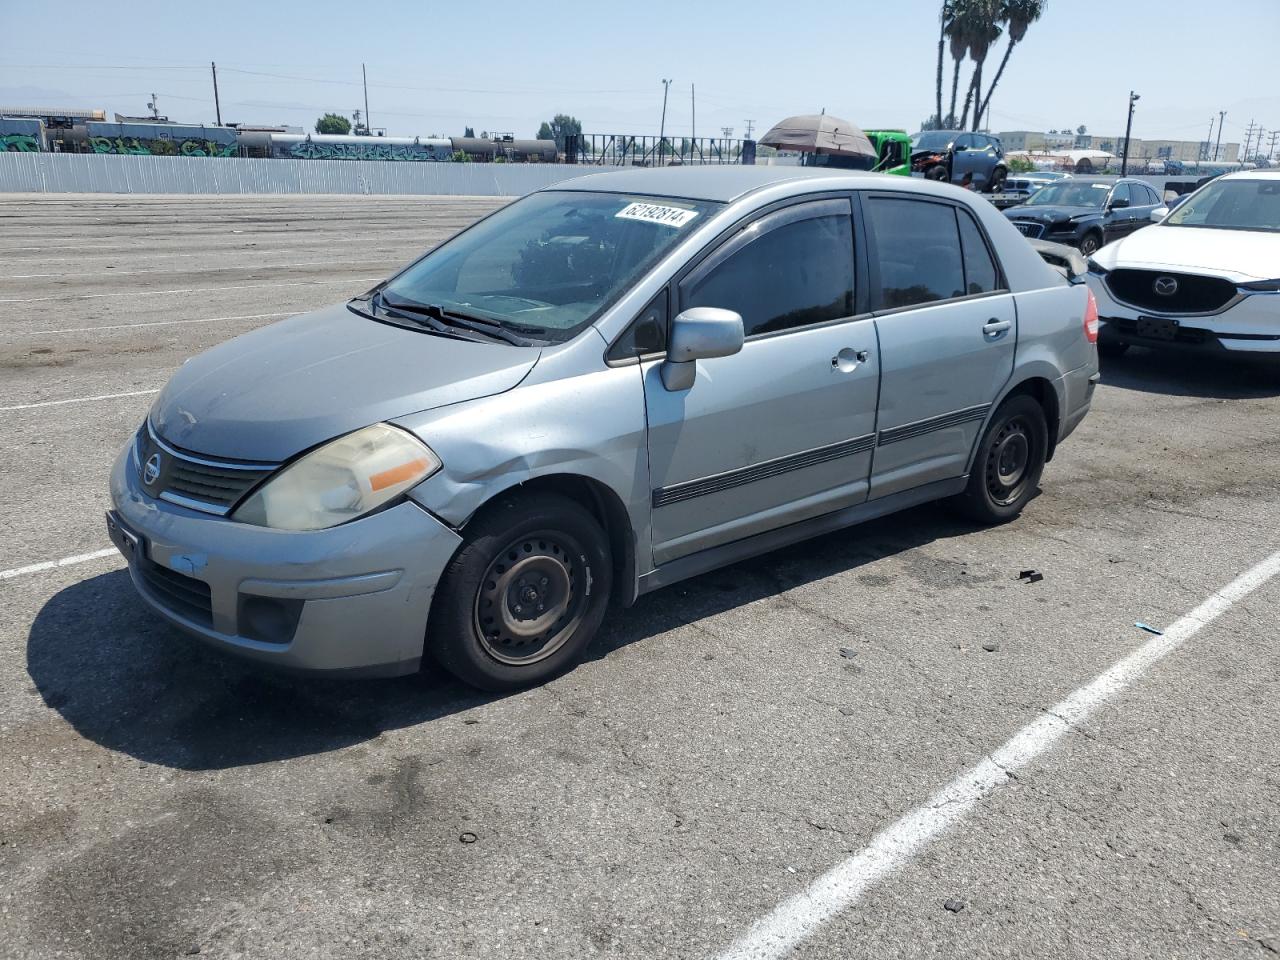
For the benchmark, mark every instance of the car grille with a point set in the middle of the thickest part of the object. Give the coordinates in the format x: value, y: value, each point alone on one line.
x: 195, y: 481
x: 1194, y: 294
x: 1029, y: 228
x: 185, y: 596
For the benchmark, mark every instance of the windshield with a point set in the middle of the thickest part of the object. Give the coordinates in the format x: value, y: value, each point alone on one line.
x: 933, y: 140
x: 551, y: 262
x: 1232, y: 205
x: 1071, y: 194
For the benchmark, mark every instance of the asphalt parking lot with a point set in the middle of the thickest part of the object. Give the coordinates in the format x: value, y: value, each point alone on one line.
x: 730, y: 739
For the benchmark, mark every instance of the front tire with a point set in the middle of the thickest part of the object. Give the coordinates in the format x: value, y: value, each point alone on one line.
x: 524, y: 595
x: 1006, y: 471
x: 937, y: 172
x: 1089, y: 244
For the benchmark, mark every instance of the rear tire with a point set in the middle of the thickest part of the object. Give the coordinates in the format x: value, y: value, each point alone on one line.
x: 998, y: 177
x: 1006, y: 470
x: 524, y: 595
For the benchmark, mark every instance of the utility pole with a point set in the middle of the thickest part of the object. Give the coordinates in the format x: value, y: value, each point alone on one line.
x: 155, y: 111
x: 365, y: 80
x: 1271, y: 147
x: 1248, y: 139
x: 1217, y: 146
x: 1128, y: 129
x: 749, y: 124
x: 693, y: 118
x: 662, y: 127
x: 217, y: 107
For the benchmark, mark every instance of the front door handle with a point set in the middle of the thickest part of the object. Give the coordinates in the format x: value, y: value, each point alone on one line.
x: 994, y: 326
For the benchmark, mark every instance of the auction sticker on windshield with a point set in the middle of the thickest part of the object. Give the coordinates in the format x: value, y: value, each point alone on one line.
x: 656, y: 213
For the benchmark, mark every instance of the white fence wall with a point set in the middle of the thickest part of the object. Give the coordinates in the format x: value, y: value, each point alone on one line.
x: 109, y: 173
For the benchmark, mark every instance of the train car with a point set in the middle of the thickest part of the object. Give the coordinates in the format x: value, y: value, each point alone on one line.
x: 22, y: 135
x: 323, y: 146
x: 152, y: 139
x: 507, y: 149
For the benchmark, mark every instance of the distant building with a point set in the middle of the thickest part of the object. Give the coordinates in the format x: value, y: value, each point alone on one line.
x: 1184, y: 150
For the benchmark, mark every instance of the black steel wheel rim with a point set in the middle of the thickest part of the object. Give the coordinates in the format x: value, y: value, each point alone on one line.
x: 1009, y: 461
x: 531, y: 598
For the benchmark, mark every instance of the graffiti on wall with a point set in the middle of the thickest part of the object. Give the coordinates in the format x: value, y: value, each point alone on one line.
x: 313, y: 150
x: 161, y: 148
x: 19, y: 143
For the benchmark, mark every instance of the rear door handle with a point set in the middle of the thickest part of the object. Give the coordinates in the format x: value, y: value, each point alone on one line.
x: 993, y: 326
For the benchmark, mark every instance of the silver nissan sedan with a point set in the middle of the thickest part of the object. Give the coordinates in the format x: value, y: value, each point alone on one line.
x: 599, y: 390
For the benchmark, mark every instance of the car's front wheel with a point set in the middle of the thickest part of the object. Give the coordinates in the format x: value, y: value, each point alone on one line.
x: 937, y: 172
x: 1006, y: 471
x: 1090, y: 243
x: 524, y: 595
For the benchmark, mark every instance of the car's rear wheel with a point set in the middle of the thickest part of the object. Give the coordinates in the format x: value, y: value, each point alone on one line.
x: 998, y: 177
x: 1006, y: 471
x: 524, y: 595
x: 1090, y: 243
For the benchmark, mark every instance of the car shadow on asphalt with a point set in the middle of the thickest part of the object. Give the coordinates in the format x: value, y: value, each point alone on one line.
x: 1192, y: 375
x: 129, y: 682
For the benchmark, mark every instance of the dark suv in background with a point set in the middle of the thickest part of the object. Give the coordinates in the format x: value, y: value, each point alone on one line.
x: 1085, y: 212
x: 953, y: 156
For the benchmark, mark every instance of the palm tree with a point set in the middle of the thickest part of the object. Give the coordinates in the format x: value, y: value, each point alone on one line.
x: 957, y: 34
x: 1018, y: 15
x: 982, y: 30
x: 944, y: 18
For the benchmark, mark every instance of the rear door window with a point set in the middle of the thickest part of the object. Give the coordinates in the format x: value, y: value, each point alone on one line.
x: 789, y: 269
x: 980, y: 273
x: 917, y: 252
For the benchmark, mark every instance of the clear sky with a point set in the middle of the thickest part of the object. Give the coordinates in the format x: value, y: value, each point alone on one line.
x: 505, y: 66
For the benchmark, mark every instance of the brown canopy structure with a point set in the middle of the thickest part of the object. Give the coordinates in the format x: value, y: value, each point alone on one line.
x: 819, y: 133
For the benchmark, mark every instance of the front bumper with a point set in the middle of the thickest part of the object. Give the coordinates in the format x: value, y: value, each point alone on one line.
x: 351, y: 599
x: 1249, y: 326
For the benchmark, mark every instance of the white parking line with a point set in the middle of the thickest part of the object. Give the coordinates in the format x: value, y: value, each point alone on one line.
x: 798, y: 918
x: 157, y: 293
x: 56, y: 564
x: 58, y: 403
x: 159, y: 323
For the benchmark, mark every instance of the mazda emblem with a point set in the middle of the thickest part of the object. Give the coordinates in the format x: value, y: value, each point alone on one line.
x: 151, y: 469
x: 1165, y: 286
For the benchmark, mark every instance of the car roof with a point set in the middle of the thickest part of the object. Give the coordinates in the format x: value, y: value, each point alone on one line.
x: 1260, y: 174
x: 724, y: 183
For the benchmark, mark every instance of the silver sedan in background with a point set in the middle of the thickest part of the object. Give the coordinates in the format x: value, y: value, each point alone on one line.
x: 597, y: 391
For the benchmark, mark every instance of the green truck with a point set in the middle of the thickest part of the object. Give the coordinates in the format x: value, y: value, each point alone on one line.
x: 894, y: 150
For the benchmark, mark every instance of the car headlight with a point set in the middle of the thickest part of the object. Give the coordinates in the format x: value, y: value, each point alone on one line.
x: 342, y: 480
x: 1261, y: 286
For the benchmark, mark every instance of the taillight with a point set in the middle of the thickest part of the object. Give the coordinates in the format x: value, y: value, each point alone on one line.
x: 1091, y: 318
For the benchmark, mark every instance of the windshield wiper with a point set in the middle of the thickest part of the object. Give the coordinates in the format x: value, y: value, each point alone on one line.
x: 438, y: 318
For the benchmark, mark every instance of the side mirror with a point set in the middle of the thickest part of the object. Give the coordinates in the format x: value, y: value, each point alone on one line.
x: 699, y: 333
x: 1119, y: 203
x: 1159, y: 213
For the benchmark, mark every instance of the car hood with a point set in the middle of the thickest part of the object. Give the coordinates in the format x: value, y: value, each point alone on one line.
x: 286, y: 387
x: 1239, y: 255
x: 1048, y: 213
